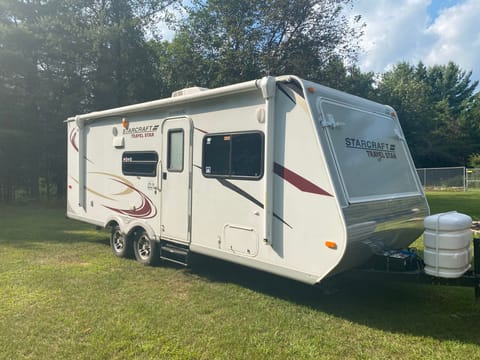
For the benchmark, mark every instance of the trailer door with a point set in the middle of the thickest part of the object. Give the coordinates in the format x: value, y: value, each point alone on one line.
x: 176, y: 175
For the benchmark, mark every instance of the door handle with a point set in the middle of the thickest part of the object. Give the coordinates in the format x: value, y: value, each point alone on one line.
x: 159, y: 171
x: 164, y: 176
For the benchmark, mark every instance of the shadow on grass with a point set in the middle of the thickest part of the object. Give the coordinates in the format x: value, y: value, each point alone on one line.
x: 32, y: 231
x: 439, y: 312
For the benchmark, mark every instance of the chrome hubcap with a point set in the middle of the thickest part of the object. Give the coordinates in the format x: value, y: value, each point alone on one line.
x: 118, y: 241
x: 144, y: 248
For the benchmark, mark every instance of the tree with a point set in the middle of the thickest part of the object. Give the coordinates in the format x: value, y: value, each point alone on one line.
x: 123, y: 63
x: 240, y: 40
x: 436, y: 107
x: 178, y: 66
x: 451, y: 84
x: 456, y: 128
x: 19, y: 85
x: 347, y: 78
x: 470, y: 120
x: 410, y: 98
x: 59, y: 58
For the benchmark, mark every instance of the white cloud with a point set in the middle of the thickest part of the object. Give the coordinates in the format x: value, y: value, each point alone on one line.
x: 457, y: 36
x: 391, y: 31
x: 404, y: 31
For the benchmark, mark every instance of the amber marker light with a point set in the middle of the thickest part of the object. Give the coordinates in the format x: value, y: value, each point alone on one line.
x: 331, y: 244
x: 124, y: 123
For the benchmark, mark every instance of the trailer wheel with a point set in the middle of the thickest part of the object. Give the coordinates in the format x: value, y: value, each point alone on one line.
x: 120, y: 244
x: 146, y: 249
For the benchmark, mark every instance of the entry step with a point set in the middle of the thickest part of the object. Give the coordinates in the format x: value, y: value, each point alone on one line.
x: 175, y: 253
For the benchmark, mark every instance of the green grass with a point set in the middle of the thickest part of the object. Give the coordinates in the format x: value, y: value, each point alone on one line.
x: 465, y: 202
x: 64, y: 296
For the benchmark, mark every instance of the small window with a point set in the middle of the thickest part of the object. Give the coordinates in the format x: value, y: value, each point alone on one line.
x: 140, y: 163
x: 233, y: 155
x: 175, y: 150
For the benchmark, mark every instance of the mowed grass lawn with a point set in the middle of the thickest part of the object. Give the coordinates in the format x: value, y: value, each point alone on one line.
x: 63, y: 295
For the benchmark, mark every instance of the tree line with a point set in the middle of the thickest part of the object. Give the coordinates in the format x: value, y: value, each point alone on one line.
x: 60, y: 58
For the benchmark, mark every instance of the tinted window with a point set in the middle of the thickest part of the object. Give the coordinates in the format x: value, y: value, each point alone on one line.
x: 233, y: 155
x: 140, y: 163
x: 247, y: 155
x: 216, y: 154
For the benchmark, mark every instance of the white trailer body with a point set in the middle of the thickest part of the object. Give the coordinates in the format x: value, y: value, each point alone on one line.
x: 279, y: 174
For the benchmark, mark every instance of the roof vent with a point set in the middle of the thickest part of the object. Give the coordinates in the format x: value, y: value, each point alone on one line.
x: 188, y: 91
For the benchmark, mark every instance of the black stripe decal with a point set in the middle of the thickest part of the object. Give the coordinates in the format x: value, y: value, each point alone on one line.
x: 280, y: 87
x: 247, y: 196
x: 280, y: 219
x: 239, y: 191
x: 202, y: 131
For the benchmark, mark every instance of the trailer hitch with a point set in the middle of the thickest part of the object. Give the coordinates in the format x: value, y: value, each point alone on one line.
x: 388, y: 264
x: 476, y: 267
x: 471, y: 278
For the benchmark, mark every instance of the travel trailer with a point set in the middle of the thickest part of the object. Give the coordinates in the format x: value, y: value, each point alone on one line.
x: 278, y: 174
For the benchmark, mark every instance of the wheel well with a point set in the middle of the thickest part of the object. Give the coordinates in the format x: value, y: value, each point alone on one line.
x: 135, y: 230
x: 111, y: 224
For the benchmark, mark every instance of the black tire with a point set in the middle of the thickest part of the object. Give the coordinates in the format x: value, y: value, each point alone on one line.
x: 120, y: 244
x: 146, y: 250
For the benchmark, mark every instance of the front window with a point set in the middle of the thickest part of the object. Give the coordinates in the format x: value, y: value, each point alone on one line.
x: 370, y: 153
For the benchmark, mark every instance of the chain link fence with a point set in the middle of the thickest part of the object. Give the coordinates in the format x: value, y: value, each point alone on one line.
x: 446, y: 178
x: 473, y: 179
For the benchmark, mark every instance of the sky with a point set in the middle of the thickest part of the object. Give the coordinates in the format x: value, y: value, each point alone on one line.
x: 431, y: 31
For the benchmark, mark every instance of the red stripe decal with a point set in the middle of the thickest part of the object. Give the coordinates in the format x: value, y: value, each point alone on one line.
x: 298, y: 181
x: 73, y: 136
x: 145, y: 211
x: 73, y: 141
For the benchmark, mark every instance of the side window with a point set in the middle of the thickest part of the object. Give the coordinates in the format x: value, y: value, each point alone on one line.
x: 235, y: 155
x: 216, y: 155
x: 247, y: 155
x: 175, y: 148
x: 140, y: 163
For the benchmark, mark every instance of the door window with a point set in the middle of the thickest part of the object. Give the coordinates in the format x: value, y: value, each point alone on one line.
x: 175, y: 150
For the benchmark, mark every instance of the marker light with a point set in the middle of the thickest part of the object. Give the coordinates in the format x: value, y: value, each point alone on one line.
x: 124, y: 123
x: 331, y: 244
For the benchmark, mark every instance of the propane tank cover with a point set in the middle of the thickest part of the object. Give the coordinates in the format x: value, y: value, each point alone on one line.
x: 447, y: 240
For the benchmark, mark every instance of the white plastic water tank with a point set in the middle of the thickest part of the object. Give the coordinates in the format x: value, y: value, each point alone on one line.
x: 447, y: 239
